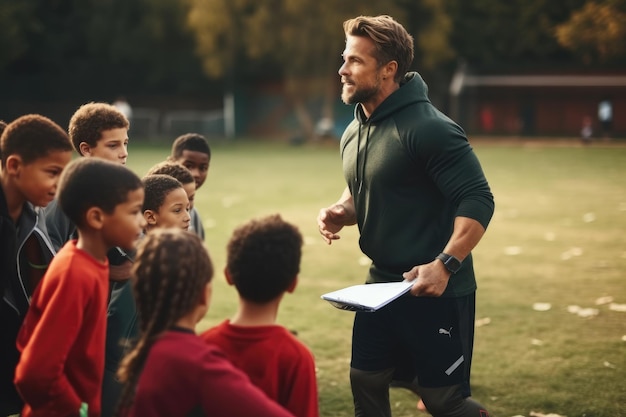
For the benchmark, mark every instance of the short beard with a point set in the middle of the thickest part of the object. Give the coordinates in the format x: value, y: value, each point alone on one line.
x: 360, y: 95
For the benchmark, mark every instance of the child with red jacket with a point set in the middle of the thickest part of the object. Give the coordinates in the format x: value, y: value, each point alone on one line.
x: 263, y: 264
x: 62, y: 339
x: 171, y: 372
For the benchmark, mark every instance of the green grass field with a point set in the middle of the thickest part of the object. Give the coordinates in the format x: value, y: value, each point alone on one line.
x: 558, y: 236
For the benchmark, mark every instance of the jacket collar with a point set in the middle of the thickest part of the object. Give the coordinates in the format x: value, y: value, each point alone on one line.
x: 412, y: 90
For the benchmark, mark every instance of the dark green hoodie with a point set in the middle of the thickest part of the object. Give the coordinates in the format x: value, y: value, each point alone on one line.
x: 411, y: 171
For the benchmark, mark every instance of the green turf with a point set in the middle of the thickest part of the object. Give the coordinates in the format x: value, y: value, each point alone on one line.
x: 558, y: 236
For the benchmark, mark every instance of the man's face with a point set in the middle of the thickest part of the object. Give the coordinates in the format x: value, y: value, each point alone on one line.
x: 112, y: 146
x: 360, y: 73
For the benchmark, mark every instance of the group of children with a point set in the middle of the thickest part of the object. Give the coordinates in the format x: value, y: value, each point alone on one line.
x: 104, y: 276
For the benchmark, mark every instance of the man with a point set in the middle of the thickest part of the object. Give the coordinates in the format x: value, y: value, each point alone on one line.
x: 420, y: 199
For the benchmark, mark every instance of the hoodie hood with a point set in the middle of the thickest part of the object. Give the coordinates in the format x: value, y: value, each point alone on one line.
x: 412, y: 90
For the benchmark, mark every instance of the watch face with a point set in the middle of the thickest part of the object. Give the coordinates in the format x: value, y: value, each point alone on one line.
x: 453, y: 264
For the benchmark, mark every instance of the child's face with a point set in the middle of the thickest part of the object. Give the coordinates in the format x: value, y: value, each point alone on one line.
x: 112, y: 146
x: 174, y: 212
x: 38, y: 180
x: 190, y: 189
x: 196, y: 162
x: 123, y: 226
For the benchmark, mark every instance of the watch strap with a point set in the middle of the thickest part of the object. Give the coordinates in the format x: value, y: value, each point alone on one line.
x: 451, y: 263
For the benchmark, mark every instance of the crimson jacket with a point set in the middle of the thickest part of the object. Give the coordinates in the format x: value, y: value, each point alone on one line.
x: 183, y: 376
x: 62, y: 338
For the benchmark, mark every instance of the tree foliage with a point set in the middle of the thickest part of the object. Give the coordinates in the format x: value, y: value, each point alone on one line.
x: 596, y: 32
x: 302, y: 39
x: 67, y: 47
x: 494, y: 33
x: 59, y: 49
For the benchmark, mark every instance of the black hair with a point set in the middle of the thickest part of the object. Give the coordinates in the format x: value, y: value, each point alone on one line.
x: 190, y: 142
x: 173, y: 169
x: 94, y: 182
x: 157, y: 187
x: 170, y: 273
x: 32, y: 136
x: 264, y: 258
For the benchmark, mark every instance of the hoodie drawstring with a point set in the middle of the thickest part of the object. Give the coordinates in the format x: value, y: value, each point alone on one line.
x: 359, y: 178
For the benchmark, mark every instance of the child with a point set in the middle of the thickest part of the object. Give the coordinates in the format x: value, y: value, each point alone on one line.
x: 192, y: 150
x: 34, y: 151
x: 171, y: 372
x: 96, y: 130
x: 263, y: 264
x: 165, y: 205
x: 62, y: 339
x: 181, y: 173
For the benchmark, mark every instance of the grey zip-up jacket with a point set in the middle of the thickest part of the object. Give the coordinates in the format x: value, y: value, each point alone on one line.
x: 14, y: 293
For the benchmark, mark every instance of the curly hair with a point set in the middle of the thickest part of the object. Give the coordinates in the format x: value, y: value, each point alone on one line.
x: 173, y: 169
x: 94, y: 182
x: 32, y: 136
x: 91, y: 119
x: 190, y: 142
x: 263, y: 258
x: 157, y: 187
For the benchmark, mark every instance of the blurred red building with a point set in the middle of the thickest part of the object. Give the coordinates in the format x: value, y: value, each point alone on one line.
x: 539, y: 104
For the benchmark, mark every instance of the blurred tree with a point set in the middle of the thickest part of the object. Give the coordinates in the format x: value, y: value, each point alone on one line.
x: 516, y: 33
x: 303, y: 39
x: 596, y: 32
x: 95, y: 48
x: 15, y: 23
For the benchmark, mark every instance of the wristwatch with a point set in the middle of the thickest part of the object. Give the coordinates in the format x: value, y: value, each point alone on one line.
x: 451, y: 263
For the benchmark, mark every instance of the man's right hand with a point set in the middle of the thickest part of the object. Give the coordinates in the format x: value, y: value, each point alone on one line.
x: 332, y: 219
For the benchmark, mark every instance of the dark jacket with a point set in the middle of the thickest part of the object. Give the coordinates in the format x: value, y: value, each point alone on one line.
x: 122, y: 331
x: 14, y: 290
x: 411, y: 171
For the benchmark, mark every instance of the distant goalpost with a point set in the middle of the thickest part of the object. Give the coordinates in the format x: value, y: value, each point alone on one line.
x: 153, y: 124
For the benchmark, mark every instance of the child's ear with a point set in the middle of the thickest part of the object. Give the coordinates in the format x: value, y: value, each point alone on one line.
x: 94, y: 217
x: 13, y: 165
x: 292, y: 287
x: 150, y: 217
x: 229, y: 279
x: 84, y: 149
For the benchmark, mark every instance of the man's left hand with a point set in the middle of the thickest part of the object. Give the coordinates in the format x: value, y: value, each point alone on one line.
x: 430, y: 280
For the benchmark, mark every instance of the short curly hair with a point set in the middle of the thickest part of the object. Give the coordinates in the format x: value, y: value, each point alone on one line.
x: 32, y: 136
x: 157, y: 187
x: 189, y: 142
x: 94, y: 182
x: 173, y: 169
x: 264, y: 258
x: 91, y: 119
